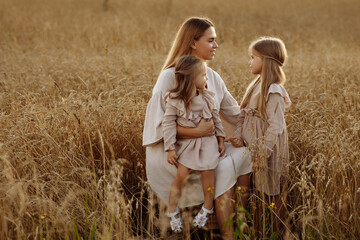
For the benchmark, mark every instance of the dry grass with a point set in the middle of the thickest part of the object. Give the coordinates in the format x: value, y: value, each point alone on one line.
x: 75, y: 77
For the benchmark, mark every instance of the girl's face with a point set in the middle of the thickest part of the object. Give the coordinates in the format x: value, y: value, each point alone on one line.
x: 200, y: 78
x: 205, y: 47
x: 255, y: 62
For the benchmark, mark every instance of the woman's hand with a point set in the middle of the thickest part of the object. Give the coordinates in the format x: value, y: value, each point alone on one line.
x: 237, y: 142
x: 206, y: 128
x: 172, y: 157
x: 221, y: 146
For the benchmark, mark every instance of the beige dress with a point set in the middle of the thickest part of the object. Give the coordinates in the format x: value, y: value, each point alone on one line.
x: 267, y: 138
x: 161, y: 174
x: 194, y: 153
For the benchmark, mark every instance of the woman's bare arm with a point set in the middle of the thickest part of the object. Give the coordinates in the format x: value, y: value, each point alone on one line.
x: 204, y: 129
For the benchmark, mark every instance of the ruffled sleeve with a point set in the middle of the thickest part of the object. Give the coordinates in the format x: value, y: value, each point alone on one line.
x: 277, y: 100
x: 153, y: 132
x: 229, y: 108
x: 209, y: 98
x: 169, y: 122
x: 239, y: 125
x: 279, y: 89
x: 219, y: 130
x: 179, y: 105
x: 227, y: 105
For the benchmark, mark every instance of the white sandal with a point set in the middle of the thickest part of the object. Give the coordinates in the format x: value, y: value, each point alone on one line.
x: 175, y: 223
x: 201, y: 218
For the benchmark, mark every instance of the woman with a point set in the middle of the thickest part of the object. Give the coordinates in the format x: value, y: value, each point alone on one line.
x: 195, y: 37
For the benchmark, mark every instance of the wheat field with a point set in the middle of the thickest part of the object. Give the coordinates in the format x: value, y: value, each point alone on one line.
x: 75, y: 78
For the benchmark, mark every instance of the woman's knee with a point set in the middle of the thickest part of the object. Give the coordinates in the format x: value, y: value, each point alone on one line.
x: 244, y: 180
x: 227, y: 197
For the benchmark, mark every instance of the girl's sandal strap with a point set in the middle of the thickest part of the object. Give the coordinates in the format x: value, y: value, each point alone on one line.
x: 201, y: 219
x: 171, y: 215
x: 175, y: 223
x: 211, y: 211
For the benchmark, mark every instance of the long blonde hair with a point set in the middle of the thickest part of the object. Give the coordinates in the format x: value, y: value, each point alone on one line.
x: 192, y: 29
x: 273, y: 53
x: 186, y: 69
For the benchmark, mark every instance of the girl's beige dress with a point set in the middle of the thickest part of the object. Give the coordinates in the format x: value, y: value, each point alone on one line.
x: 194, y: 153
x: 161, y: 174
x: 267, y: 138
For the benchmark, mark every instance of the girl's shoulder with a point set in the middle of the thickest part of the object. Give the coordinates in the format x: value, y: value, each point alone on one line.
x: 279, y: 89
x: 171, y: 100
x: 208, y: 97
x: 178, y: 104
x: 208, y: 92
x: 171, y: 97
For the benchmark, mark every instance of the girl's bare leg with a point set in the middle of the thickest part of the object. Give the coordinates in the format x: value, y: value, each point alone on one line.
x: 208, y: 184
x: 177, y: 186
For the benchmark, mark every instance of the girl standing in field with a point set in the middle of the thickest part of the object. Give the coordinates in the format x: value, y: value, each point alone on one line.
x: 262, y: 126
x: 186, y: 105
x: 196, y: 37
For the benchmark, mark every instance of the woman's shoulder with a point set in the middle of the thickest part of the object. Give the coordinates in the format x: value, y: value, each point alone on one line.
x: 216, y: 83
x: 165, y: 81
x: 212, y: 73
x: 279, y: 89
x: 167, y: 74
x: 168, y: 71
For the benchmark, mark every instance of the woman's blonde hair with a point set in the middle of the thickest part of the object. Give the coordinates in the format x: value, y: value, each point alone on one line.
x: 273, y: 53
x: 186, y: 69
x: 192, y: 29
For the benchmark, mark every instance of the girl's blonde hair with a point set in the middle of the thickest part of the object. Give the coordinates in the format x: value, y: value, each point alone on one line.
x: 192, y: 29
x: 273, y: 54
x: 186, y: 69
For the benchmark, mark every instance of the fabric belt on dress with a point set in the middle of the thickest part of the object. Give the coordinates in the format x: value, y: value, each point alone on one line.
x: 251, y: 112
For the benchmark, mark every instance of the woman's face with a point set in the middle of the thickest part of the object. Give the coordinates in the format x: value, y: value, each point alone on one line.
x: 205, y: 47
x: 255, y: 62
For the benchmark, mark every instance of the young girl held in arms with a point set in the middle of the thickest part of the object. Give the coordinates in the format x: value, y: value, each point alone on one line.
x: 186, y: 105
x: 262, y: 126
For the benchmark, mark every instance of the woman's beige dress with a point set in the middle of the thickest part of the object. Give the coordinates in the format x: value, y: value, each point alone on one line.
x: 194, y: 153
x: 161, y: 174
x: 267, y: 139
